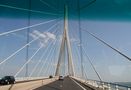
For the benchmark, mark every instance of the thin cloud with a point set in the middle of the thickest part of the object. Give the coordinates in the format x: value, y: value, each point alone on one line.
x: 45, y: 37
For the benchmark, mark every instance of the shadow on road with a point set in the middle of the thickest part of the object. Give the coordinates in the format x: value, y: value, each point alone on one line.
x: 56, y: 85
x: 10, y: 88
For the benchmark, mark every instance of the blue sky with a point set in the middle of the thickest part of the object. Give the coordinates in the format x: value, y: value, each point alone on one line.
x: 116, y: 33
x: 109, y: 20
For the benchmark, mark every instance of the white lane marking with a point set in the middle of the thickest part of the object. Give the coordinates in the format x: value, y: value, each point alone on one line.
x: 78, y: 84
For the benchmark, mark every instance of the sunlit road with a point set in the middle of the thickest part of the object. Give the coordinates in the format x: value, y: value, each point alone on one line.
x: 66, y: 84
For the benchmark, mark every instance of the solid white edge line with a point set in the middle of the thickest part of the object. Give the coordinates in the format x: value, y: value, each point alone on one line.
x: 78, y: 84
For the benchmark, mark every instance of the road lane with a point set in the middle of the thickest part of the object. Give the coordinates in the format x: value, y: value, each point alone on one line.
x: 66, y: 84
x: 69, y: 84
x: 56, y: 85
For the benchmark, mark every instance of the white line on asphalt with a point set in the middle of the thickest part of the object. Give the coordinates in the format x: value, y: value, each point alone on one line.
x: 78, y: 84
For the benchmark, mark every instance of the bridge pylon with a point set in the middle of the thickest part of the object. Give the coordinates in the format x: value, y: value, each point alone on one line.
x: 65, y: 47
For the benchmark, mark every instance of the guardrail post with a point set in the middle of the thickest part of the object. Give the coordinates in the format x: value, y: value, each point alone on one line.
x: 103, y: 85
x: 96, y: 85
x: 117, y: 87
x: 109, y: 86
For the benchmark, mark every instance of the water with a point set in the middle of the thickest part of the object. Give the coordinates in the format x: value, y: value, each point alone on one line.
x: 125, y: 83
x: 123, y: 86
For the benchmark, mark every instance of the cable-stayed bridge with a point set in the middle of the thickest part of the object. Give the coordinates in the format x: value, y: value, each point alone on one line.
x: 52, y: 48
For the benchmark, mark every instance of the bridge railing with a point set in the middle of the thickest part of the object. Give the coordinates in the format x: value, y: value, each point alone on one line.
x: 29, y: 78
x: 107, y: 85
x: 104, y: 85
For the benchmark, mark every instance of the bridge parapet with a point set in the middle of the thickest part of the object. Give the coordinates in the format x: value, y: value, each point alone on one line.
x: 30, y: 84
x: 18, y: 79
x: 103, y: 85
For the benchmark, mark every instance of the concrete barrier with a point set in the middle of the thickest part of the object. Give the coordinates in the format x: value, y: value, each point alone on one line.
x: 27, y: 85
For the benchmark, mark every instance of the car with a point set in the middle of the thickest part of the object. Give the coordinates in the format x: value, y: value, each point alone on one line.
x: 61, y: 78
x: 7, y: 80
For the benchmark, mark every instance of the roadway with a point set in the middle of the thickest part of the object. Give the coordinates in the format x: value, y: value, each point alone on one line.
x: 66, y: 84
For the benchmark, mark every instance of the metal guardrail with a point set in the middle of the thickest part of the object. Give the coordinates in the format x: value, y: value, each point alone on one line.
x: 110, y: 86
x: 107, y: 85
x: 104, y: 85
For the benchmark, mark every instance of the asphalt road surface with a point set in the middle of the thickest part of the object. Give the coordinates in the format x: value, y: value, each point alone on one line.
x: 66, y: 84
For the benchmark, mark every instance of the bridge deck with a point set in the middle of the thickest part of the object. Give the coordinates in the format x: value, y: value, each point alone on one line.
x: 50, y: 84
x: 66, y: 84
